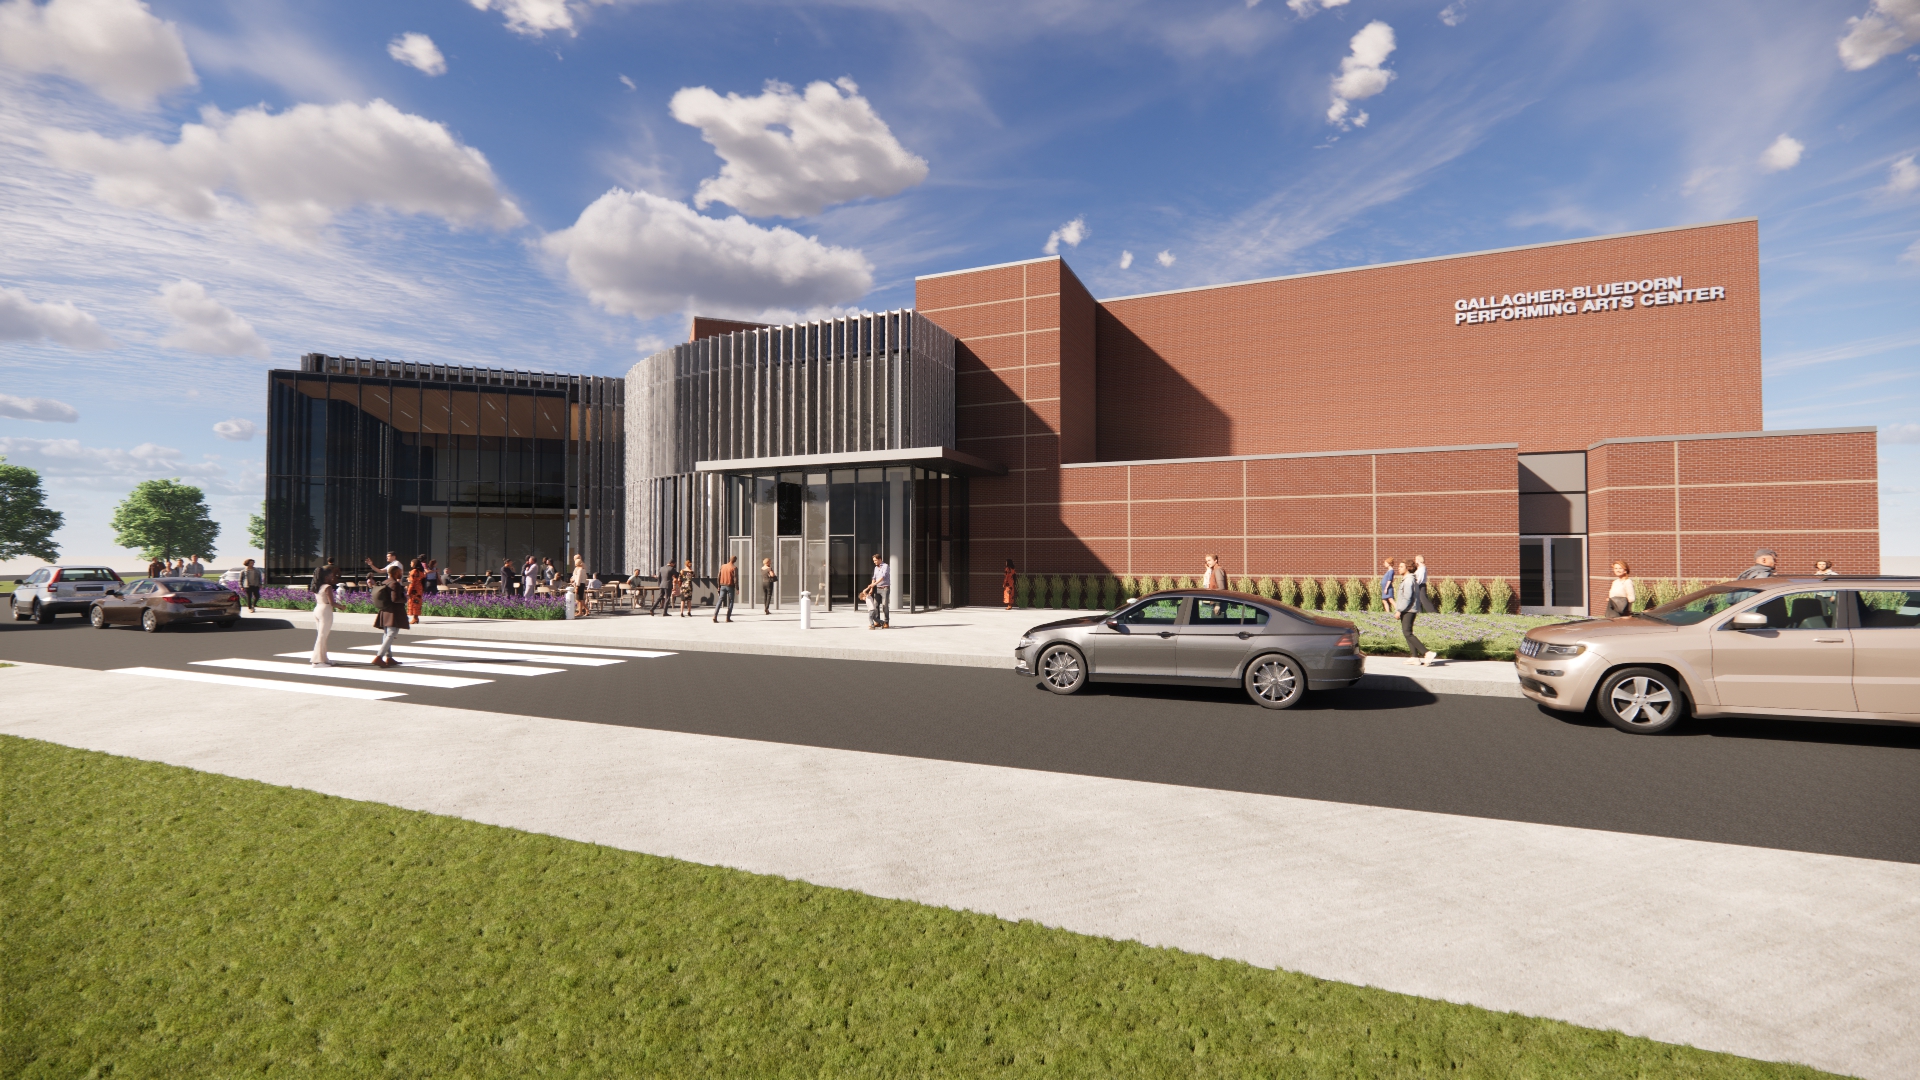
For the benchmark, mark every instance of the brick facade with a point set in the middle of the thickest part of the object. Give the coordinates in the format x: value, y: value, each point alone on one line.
x: 1320, y: 419
x: 1697, y: 508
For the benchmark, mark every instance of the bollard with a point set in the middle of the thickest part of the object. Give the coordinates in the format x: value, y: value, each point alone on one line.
x: 806, y: 610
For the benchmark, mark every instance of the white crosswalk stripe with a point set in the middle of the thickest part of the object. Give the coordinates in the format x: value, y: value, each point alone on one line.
x: 510, y: 668
x: 283, y: 686
x: 400, y: 678
x: 567, y: 650
x: 483, y: 654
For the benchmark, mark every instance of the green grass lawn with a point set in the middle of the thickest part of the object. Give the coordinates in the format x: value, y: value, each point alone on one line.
x: 163, y: 922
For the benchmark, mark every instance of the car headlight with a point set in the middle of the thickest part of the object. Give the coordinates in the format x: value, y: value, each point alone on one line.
x: 1562, y: 650
x: 1025, y: 642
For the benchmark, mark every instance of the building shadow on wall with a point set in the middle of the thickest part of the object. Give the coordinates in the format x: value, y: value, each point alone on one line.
x: 1147, y: 409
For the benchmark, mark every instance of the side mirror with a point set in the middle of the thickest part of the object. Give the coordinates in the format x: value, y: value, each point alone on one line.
x: 1749, y: 620
x: 1113, y: 624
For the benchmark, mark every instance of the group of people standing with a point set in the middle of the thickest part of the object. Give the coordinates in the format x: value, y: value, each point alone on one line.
x: 676, y: 590
x: 189, y: 567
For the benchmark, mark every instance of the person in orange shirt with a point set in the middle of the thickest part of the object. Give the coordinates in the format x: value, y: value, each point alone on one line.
x: 416, y: 588
x: 1006, y: 585
x: 729, y: 575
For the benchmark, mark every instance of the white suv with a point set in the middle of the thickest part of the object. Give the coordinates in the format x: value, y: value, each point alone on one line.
x: 51, y: 590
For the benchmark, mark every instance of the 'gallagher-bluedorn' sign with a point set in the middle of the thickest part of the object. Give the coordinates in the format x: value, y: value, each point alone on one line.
x: 1612, y: 296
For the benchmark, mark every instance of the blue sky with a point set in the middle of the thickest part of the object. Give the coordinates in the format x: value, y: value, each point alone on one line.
x: 558, y: 190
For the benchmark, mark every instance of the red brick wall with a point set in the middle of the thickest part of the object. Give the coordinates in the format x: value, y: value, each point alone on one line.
x: 1310, y: 363
x: 1697, y: 508
x: 706, y: 327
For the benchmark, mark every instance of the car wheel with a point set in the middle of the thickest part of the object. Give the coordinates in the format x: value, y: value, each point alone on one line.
x: 1275, y: 682
x: 1061, y: 669
x: 41, y: 614
x: 149, y: 621
x: 97, y: 615
x: 13, y: 608
x: 1644, y: 701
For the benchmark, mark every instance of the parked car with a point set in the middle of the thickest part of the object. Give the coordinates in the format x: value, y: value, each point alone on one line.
x: 1277, y: 653
x: 1831, y: 648
x: 231, y: 579
x: 53, y: 590
x: 157, y: 603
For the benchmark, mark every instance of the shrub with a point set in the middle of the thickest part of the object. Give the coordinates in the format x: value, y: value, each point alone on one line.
x: 1056, y: 591
x: 1289, y: 592
x: 1356, y: 595
x: 1111, y: 595
x: 1500, y: 597
x: 1309, y: 593
x: 1475, y: 595
x: 1644, y: 590
x: 1371, y: 591
x: 1666, y: 592
x: 1692, y: 586
x: 443, y: 605
x: 1023, y: 591
x: 1073, y: 590
x: 1332, y: 595
x: 1449, y: 596
x: 1188, y: 583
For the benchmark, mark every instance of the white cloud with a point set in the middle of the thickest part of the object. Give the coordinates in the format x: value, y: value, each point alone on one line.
x: 1455, y: 13
x: 206, y: 325
x: 1903, y: 177
x: 1362, y: 74
x: 1900, y: 433
x: 1784, y: 153
x: 23, y: 320
x: 45, y: 410
x: 535, y: 17
x: 116, y: 47
x: 1126, y: 259
x: 297, y: 168
x: 1885, y: 29
x: 1305, y: 8
x: 235, y: 430
x: 1069, y: 234
x: 1912, y: 254
x: 834, y: 148
x: 1165, y: 258
x: 628, y: 83
x: 418, y: 51
x: 639, y: 254
x: 69, y: 458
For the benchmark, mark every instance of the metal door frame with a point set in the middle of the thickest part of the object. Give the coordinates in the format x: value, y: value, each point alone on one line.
x: 1546, y: 571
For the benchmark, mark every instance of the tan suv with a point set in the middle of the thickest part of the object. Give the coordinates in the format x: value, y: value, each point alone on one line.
x: 1816, y: 648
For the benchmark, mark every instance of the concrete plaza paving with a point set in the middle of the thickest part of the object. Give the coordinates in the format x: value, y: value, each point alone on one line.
x: 961, y: 637
x: 1774, y: 954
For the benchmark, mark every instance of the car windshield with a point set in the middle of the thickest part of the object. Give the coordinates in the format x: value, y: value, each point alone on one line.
x: 1701, y: 604
x: 196, y: 586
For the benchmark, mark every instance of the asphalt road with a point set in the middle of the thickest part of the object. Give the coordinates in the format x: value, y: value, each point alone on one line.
x: 1830, y: 788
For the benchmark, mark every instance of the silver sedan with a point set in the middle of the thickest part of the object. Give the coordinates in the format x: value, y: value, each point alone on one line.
x: 1277, y: 653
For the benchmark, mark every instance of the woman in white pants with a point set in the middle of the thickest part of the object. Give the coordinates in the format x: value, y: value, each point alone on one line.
x: 322, y: 621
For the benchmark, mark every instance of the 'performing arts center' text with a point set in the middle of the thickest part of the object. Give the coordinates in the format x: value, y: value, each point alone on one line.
x: 1611, y: 296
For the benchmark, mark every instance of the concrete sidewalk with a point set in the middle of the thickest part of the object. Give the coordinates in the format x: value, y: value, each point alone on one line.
x: 1773, y: 954
x: 956, y: 637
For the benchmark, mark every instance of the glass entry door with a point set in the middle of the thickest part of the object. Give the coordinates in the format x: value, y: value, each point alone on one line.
x: 1553, y: 575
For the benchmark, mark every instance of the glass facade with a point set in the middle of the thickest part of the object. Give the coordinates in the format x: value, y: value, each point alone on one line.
x: 469, y: 466
x: 821, y: 529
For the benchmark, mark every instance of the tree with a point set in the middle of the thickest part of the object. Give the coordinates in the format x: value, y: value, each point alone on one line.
x: 165, y: 519
x: 257, y: 529
x: 26, y: 525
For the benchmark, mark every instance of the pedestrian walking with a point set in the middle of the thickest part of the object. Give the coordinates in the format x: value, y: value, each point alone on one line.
x: 433, y: 577
x: 1764, y: 561
x: 1621, y: 595
x: 389, y: 615
x: 323, y: 589
x: 729, y: 574
x: 250, y: 581
x: 1407, y: 603
x: 1215, y: 575
x: 1386, y: 587
x: 767, y: 578
x: 1420, y: 585
x: 1823, y: 568
x: 577, y: 587
x: 506, y: 577
x: 416, y: 589
x: 685, y: 585
x: 876, y: 594
x: 1006, y: 585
